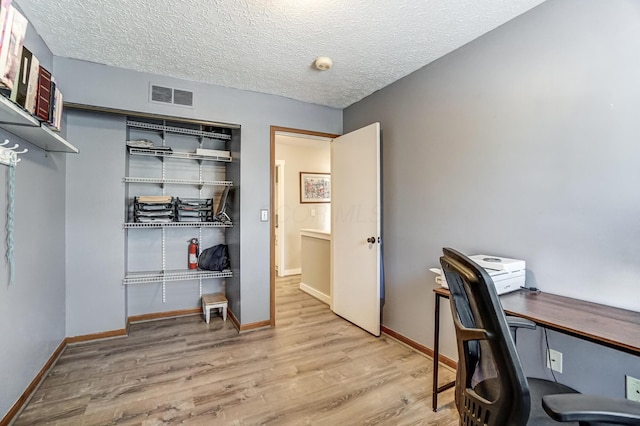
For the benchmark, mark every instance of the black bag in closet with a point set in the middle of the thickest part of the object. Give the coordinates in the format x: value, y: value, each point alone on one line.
x: 214, y: 258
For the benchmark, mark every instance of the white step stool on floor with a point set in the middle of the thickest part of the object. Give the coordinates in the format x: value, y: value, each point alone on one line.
x: 214, y: 301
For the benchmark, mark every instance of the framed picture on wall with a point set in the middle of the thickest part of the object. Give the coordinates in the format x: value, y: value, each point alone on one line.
x: 315, y: 187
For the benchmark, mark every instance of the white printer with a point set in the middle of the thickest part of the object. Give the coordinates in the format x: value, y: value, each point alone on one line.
x: 507, y: 274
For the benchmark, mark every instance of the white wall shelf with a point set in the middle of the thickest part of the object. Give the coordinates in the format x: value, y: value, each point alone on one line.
x: 179, y: 225
x: 177, y: 154
x: 19, y: 122
x: 178, y: 130
x: 142, y: 277
x: 208, y: 174
x: 131, y: 179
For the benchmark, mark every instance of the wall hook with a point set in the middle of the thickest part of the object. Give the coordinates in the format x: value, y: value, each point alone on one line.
x: 8, y: 155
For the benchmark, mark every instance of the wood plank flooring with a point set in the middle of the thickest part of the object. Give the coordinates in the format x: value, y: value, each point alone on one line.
x: 314, y: 368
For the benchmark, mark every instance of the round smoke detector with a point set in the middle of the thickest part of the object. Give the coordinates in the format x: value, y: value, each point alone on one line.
x: 323, y: 63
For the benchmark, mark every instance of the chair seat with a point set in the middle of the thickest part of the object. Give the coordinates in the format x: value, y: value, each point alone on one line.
x: 539, y: 388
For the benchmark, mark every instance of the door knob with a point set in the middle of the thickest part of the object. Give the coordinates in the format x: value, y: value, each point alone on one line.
x: 371, y: 240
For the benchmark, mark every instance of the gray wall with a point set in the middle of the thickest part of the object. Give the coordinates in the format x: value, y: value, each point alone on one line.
x: 99, y: 85
x: 232, y: 236
x: 523, y: 143
x: 94, y: 216
x: 32, y: 310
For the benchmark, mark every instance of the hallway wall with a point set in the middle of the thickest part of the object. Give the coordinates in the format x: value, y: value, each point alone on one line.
x: 301, y: 155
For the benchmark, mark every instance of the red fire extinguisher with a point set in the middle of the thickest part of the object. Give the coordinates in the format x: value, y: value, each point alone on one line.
x: 194, y: 251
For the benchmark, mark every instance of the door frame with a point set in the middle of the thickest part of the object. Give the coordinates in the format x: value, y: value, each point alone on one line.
x: 272, y: 229
x: 279, y: 219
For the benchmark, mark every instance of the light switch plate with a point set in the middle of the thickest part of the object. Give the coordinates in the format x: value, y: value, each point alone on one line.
x: 554, y: 360
x: 633, y: 388
x: 264, y: 215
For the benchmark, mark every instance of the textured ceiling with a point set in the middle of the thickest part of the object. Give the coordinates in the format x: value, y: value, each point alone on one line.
x: 269, y: 46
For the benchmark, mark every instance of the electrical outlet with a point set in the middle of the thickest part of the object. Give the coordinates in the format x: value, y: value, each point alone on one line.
x: 633, y: 388
x: 554, y: 360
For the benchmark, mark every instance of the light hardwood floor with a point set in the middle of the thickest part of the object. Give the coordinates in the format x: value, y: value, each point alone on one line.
x: 314, y: 368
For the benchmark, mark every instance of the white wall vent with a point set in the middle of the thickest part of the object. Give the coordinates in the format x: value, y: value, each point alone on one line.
x: 170, y: 95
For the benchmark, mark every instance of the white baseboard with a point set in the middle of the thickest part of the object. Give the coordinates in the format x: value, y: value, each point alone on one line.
x: 287, y: 272
x: 315, y: 293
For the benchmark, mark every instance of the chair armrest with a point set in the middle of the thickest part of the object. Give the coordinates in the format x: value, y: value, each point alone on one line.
x: 588, y: 408
x: 517, y: 322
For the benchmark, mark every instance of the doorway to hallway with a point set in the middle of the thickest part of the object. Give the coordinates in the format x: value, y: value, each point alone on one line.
x: 298, y: 151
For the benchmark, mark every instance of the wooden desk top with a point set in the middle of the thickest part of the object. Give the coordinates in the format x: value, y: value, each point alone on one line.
x: 613, y: 327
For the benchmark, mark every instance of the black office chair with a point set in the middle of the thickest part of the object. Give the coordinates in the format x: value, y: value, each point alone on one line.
x: 491, y: 388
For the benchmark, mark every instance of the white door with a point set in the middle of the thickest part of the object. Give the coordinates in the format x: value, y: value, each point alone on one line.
x: 355, y: 227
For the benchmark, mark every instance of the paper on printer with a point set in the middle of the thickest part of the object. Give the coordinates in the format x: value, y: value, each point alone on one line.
x: 507, y: 274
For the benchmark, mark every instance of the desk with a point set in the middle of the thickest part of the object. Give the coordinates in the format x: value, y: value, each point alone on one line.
x: 605, y: 325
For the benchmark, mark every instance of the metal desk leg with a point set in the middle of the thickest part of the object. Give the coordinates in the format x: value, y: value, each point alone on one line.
x: 436, y: 353
x: 436, y: 357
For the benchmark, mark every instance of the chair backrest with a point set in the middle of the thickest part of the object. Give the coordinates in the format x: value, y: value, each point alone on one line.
x: 491, y: 388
